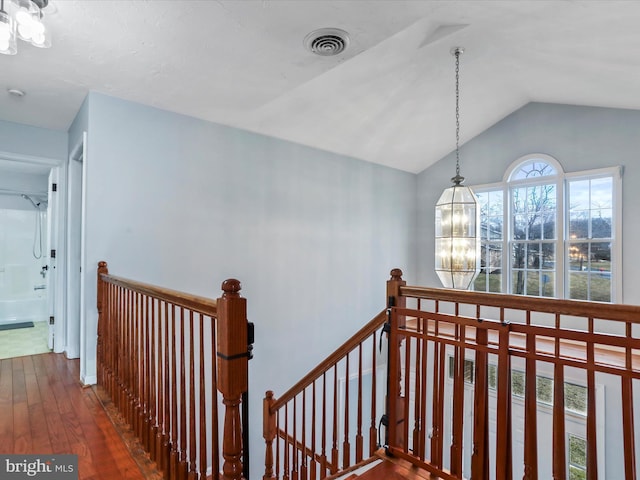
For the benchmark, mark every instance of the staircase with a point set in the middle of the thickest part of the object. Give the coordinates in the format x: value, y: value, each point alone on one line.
x: 390, y: 468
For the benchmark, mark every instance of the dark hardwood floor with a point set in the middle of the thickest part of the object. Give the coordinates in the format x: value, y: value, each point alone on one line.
x: 44, y: 409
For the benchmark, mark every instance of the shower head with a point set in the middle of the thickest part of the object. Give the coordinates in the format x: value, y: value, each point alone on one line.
x: 35, y: 204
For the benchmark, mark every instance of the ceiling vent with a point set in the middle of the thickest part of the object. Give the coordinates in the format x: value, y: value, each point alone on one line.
x: 327, y: 41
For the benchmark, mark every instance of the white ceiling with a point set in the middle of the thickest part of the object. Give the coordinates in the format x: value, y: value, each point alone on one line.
x: 388, y: 99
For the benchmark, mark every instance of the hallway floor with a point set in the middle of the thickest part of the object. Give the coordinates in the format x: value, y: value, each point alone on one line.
x: 45, y: 410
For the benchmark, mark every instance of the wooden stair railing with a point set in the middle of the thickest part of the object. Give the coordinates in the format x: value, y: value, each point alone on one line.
x: 317, y: 429
x: 471, y: 364
x: 155, y: 352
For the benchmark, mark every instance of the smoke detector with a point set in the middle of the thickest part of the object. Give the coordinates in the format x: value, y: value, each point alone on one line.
x: 327, y: 41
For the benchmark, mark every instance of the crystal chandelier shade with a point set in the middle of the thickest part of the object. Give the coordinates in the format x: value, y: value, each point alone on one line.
x: 457, y: 224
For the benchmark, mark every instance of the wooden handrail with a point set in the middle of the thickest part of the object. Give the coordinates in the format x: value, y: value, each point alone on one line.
x: 439, y: 338
x: 323, y: 424
x: 580, y: 308
x: 198, y: 304
x: 154, y: 344
x: 331, y: 360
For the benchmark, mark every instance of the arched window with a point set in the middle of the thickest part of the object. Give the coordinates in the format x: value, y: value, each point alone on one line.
x: 549, y: 233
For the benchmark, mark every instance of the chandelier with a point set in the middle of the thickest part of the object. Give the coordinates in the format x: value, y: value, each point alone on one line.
x: 457, y: 220
x: 23, y: 19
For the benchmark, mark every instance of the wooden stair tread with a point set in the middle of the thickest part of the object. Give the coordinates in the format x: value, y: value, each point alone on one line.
x: 395, y: 469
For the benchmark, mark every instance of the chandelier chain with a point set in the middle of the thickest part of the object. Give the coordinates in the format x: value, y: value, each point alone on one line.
x: 457, y: 54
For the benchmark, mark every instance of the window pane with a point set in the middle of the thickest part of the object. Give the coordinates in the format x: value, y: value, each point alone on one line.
x: 549, y: 226
x: 468, y: 371
x: 517, y: 383
x: 544, y: 390
x: 519, y: 253
x: 575, y: 398
x: 519, y: 227
x: 578, y: 286
x: 601, y: 224
x: 577, y: 451
x: 533, y: 255
x: 548, y: 286
x: 533, y: 169
x: 535, y: 227
x: 578, y: 256
x: 533, y: 283
x: 579, y: 224
x: 493, y: 376
x: 517, y: 282
x: 548, y: 256
x: 601, y: 193
x: 518, y: 200
x: 576, y: 473
x: 579, y: 195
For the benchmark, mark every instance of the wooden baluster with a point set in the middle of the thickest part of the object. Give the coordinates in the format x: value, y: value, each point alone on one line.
x: 161, y: 382
x: 359, y: 437
x: 215, y: 446
x: 294, y: 444
x: 173, y: 413
x: 140, y: 378
x: 203, y: 405
x: 530, y: 410
x: 286, y: 443
x: 480, y: 453
x: 405, y: 396
x: 146, y: 374
x: 193, y: 472
x: 303, y: 453
x: 503, y: 420
x: 232, y: 372
x: 559, y: 455
x: 183, y: 463
x: 101, y: 292
x: 592, y: 451
x: 268, y: 433
x: 278, y: 442
x: 135, y: 380
x: 323, y: 457
x: 334, y: 450
x: 439, y: 362
x: 130, y: 363
x: 153, y: 411
x: 166, y: 431
x: 417, y: 401
x: 346, y: 446
x: 628, y: 426
x: 424, y: 380
x: 458, y: 400
x: 313, y: 464
x: 373, y: 432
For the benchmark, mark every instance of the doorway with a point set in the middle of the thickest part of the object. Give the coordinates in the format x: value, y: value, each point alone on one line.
x: 24, y: 260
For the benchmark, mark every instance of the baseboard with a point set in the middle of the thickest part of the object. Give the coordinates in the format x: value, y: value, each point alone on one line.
x: 89, y: 379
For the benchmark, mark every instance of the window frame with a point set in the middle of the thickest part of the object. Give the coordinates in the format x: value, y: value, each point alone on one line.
x: 560, y: 179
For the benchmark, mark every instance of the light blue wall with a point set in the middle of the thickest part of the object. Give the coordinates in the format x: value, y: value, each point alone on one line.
x: 184, y: 203
x: 580, y: 138
x: 25, y: 141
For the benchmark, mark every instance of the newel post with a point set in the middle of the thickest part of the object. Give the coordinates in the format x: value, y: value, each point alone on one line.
x: 233, y: 375
x: 269, y: 434
x: 100, y: 302
x: 395, y: 404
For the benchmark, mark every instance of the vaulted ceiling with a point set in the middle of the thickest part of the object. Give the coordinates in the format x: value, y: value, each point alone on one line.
x: 388, y: 98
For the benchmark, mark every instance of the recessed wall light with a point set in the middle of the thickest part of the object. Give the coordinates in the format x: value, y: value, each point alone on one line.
x: 16, y: 92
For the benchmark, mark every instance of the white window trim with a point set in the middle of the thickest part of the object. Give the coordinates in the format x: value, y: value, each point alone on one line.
x: 560, y: 178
